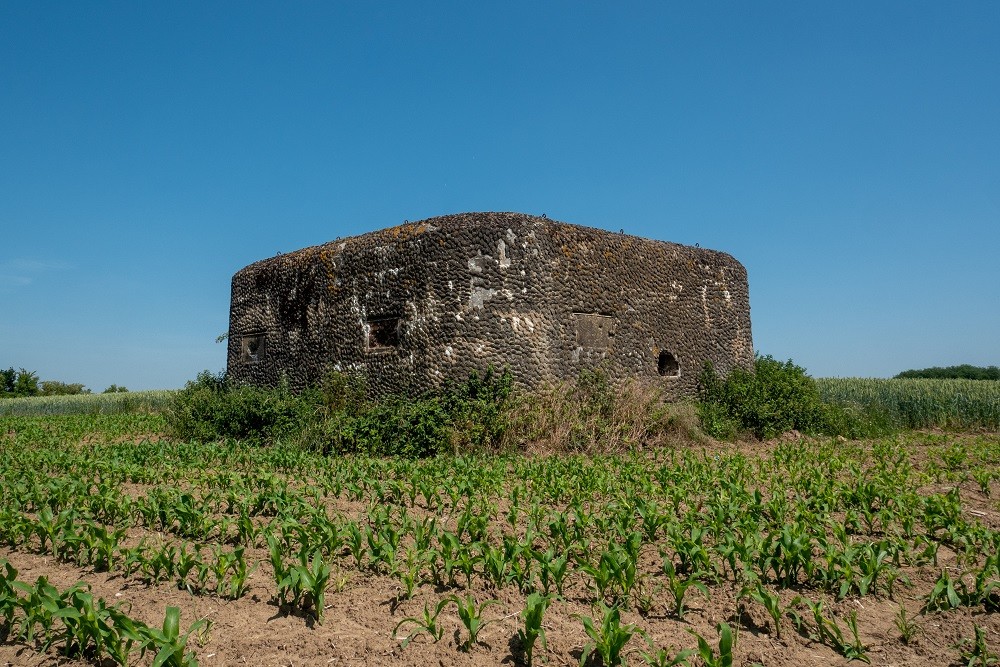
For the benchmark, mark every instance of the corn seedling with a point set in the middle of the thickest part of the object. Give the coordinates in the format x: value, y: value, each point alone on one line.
x: 975, y: 652
x: 609, y: 638
x: 471, y: 616
x: 664, y: 657
x: 427, y: 623
x: 709, y: 658
x: 907, y: 626
x: 946, y: 594
x: 678, y: 585
x: 168, y: 642
x: 533, y: 631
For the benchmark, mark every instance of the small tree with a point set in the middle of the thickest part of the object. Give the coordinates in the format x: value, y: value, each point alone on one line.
x: 26, y: 383
x: 8, y: 379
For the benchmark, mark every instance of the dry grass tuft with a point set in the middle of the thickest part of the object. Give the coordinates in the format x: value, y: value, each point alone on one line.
x: 590, y: 415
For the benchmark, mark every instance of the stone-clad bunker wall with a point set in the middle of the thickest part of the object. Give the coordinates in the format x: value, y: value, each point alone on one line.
x: 416, y: 304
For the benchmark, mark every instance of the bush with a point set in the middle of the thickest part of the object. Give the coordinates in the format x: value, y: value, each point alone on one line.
x: 209, y: 408
x: 459, y: 417
x: 773, y: 399
x: 335, y: 416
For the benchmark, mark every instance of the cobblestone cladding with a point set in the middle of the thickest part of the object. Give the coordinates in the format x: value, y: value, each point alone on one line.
x: 414, y: 305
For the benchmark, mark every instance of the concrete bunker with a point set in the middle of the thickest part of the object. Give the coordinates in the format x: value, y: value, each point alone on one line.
x: 412, y: 306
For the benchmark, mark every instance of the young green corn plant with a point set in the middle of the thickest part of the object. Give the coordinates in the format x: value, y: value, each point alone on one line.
x: 872, y: 563
x: 653, y: 518
x: 532, y: 614
x: 8, y: 595
x: 134, y: 557
x: 409, y: 574
x: 601, y: 573
x: 38, y: 608
x: 69, y: 547
x: 770, y: 601
x: 664, y: 657
x: 307, y: 582
x: 496, y: 565
x: 946, y: 594
x: 828, y: 632
x: 101, y: 544
x: 471, y: 616
x: 689, y: 545
x: 552, y: 569
x: 356, y: 538
x: 608, y: 639
x: 46, y: 528
x: 854, y: 650
x: 792, y: 554
x: 160, y: 565
x: 448, y: 550
x: 976, y: 652
x: 983, y: 478
x: 646, y: 593
x: 92, y: 629
x: 186, y: 562
x: 427, y: 623
x: 236, y: 586
x: 709, y: 658
x: 247, y: 532
x: 383, y: 540
x: 679, y: 584
x: 521, y: 561
x: 168, y: 642
x: 467, y: 558
x: 907, y: 626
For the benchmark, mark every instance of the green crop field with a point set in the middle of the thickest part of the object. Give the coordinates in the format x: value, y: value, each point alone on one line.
x: 115, y: 403
x: 921, y: 403
x: 130, y: 548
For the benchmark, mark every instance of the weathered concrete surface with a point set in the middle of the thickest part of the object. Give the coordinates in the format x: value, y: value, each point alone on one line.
x: 415, y: 304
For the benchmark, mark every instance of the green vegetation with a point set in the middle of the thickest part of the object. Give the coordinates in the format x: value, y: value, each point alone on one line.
x: 113, y: 403
x: 915, y: 403
x: 23, y: 383
x: 779, y: 397
x: 799, y: 528
x: 15, y: 384
x: 588, y: 415
x: 54, y: 388
x: 336, y: 417
x: 84, y: 628
x: 774, y: 398
x: 621, y: 529
x: 963, y: 372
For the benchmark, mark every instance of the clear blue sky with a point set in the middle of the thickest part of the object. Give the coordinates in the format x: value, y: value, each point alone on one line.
x: 847, y: 153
